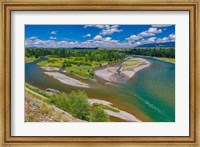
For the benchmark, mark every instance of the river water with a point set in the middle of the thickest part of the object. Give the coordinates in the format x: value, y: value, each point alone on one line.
x: 149, y: 95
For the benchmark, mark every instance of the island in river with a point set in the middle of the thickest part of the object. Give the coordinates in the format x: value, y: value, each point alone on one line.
x: 114, y: 86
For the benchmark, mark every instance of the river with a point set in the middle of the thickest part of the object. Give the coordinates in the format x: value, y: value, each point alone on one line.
x: 149, y: 95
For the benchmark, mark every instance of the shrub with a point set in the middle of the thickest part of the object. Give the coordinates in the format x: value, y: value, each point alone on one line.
x: 79, y: 105
x: 98, y: 115
x: 75, y: 103
x: 61, y: 101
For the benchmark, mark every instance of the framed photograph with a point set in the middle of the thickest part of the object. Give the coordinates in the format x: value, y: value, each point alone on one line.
x: 100, y: 72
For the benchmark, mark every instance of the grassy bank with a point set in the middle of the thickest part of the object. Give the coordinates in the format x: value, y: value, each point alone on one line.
x: 171, y: 60
x: 76, y: 103
x: 78, y: 66
x: 131, y: 63
x: 30, y: 59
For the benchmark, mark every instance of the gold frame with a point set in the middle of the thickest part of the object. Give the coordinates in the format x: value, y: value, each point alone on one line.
x: 19, y: 5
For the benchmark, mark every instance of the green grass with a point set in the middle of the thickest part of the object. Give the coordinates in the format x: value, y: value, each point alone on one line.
x: 76, y: 103
x: 171, y: 60
x: 73, y: 65
x: 30, y: 59
x: 105, y: 107
x: 131, y: 63
x: 52, y: 62
x: 37, y: 90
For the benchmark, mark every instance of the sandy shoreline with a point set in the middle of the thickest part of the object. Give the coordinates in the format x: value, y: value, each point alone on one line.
x: 67, y: 80
x: 121, y: 114
x: 110, y: 74
x: 130, y: 74
x: 47, y: 68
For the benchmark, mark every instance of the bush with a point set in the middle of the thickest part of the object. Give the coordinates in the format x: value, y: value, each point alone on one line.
x: 61, y: 101
x: 98, y: 115
x: 79, y: 105
x: 76, y: 104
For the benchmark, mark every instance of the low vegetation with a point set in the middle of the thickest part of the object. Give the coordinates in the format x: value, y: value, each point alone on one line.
x: 37, y: 110
x: 73, y: 65
x: 76, y: 103
x: 153, y: 52
x: 105, y: 107
x: 98, y: 115
x: 131, y: 63
x: 171, y: 60
x: 37, y: 90
x: 30, y: 59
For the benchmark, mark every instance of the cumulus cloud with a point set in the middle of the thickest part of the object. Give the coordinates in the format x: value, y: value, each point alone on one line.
x: 101, y: 40
x: 52, y: 38
x: 87, y: 35
x: 150, y: 32
x: 154, y: 30
x: 137, y: 43
x: 162, y: 40
x: 152, y: 39
x: 97, y: 26
x: 134, y: 37
x: 53, y: 32
x: 172, y: 36
x: 106, y: 29
x: 98, y: 37
x: 146, y: 33
x: 33, y: 37
x: 97, y: 41
x: 160, y: 25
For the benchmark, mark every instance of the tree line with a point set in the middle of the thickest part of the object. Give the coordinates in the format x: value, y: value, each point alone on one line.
x: 89, y: 55
x: 156, y: 52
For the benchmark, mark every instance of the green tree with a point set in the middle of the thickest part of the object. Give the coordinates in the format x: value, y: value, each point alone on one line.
x: 79, y: 105
x: 98, y: 115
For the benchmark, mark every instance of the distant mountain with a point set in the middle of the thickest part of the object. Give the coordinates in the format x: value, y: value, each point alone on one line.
x: 166, y: 44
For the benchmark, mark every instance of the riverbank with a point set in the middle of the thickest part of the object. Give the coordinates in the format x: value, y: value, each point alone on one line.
x: 125, y: 71
x: 119, y: 113
x: 169, y: 60
x: 37, y: 103
x: 37, y: 110
x: 30, y: 59
x: 67, y: 80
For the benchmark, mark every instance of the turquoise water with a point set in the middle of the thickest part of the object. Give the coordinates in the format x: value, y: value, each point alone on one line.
x: 149, y: 95
x: 153, y: 89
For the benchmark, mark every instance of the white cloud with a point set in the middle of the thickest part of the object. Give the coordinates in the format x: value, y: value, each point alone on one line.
x: 172, y: 36
x: 152, y: 39
x: 87, y: 35
x: 161, y: 25
x: 97, y: 41
x: 107, y: 39
x: 53, y: 32
x: 134, y: 37
x: 146, y: 33
x: 137, y: 43
x: 97, y: 26
x: 98, y: 37
x: 150, y: 32
x: 52, y: 38
x: 154, y: 30
x: 162, y: 40
x: 33, y: 37
x: 106, y: 29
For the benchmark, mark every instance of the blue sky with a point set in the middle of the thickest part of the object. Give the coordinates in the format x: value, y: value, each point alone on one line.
x: 113, y: 36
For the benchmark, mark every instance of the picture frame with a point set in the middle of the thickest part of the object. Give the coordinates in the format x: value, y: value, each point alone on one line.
x: 112, y: 5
